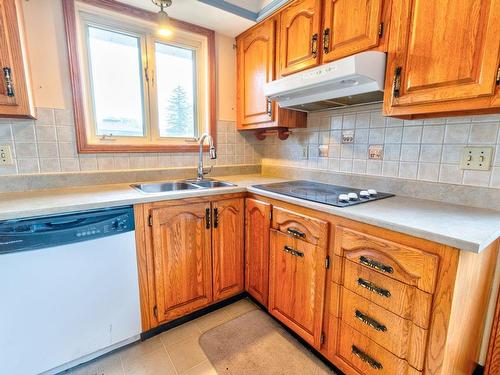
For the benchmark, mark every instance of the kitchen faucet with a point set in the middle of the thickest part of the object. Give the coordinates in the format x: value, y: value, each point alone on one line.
x: 212, y: 152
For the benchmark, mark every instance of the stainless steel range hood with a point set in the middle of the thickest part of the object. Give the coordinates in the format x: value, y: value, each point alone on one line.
x: 357, y: 79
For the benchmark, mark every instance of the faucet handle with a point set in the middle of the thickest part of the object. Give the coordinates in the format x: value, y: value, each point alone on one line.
x: 208, y: 170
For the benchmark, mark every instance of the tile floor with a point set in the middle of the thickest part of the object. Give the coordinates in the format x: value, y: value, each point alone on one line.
x: 175, y: 352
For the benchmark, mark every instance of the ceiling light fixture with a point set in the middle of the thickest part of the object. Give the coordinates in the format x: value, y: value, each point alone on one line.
x: 164, y: 26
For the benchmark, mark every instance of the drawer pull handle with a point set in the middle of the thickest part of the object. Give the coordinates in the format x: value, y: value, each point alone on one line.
x: 296, y: 233
x: 207, y: 218
x: 370, y: 322
x: 216, y: 217
x: 291, y: 250
x: 314, y: 45
x: 375, y: 265
x: 374, y: 288
x: 7, y: 73
x: 366, y: 358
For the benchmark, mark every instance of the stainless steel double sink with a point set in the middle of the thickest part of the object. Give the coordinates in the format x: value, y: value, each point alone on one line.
x: 161, y: 187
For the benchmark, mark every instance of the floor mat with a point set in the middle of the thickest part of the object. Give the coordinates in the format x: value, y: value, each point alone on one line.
x: 254, y: 344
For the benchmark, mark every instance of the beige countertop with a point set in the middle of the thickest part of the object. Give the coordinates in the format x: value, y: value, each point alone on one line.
x: 466, y: 228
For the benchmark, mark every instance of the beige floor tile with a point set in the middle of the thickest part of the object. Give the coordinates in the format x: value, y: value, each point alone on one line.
x: 204, y: 368
x: 241, y: 307
x: 212, y: 320
x: 109, y: 365
x: 139, y: 350
x: 180, y: 333
x: 154, y: 363
x: 186, y: 354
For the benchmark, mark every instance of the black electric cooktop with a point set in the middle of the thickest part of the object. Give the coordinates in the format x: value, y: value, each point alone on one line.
x: 332, y: 195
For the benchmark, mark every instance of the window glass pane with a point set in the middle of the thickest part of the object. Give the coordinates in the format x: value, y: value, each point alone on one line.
x: 116, y: 81
x: 175, y: 76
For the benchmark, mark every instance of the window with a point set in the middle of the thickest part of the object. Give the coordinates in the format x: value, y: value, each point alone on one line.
x: 134, y: 90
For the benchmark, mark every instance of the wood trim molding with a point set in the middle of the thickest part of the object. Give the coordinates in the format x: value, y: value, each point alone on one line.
x: 493, y: 358
x: 77, y: 86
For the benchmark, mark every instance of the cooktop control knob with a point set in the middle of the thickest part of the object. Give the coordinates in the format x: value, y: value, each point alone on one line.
x: 364, y: 194
x: 343, y: 198
x: 353, y: 196
x: 372, y: 192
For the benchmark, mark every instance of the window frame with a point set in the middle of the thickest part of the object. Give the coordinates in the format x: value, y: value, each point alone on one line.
x: 80, y: 91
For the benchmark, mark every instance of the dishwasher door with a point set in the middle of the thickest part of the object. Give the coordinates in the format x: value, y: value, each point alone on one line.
x: 66, y: 303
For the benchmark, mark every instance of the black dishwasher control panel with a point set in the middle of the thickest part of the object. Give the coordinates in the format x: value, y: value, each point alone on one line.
x: 51, y: 231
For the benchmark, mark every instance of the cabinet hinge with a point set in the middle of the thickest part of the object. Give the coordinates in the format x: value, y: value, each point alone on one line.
x: 150, y: 220
x: 155, y: 311
x: 498, y: 75
x: 271, y: 215
x: 322, y: 338
x: 380, y: 29
x: 327, y: 262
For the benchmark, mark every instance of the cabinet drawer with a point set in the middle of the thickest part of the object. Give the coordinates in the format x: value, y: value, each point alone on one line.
x: 400, y: 336
x: 409, y: 265
x: 401, y: 299
x: 300, y: 226
x: 368, y: 357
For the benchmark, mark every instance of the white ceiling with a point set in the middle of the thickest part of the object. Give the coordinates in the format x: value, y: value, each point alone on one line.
x: 198, y: 13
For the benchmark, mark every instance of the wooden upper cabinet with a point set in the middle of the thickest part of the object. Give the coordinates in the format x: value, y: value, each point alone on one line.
x: 300, y: 41
x: 182, y: 259
x: 15, y: 90
x: 228, y: 247
x: 256, y: 66
x: 443, y: 57
x: 351, y: 26
x: 257, y: 226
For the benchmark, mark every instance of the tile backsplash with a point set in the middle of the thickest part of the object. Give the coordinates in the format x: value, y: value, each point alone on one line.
x: 425, y: 150
x: 48, y: 145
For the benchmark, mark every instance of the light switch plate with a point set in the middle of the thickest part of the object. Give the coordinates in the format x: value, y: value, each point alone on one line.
x: 376, y: 152
x: 348, y: 136
x: 5, y: 155
x: 476, y: 158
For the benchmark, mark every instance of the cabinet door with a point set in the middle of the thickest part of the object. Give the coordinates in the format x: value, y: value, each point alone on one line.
x: 350, y: 26
x: 299, y: 36
x: 257, y: 227
x: 296, y: 285
x: 442, y: 52
x: 256, y: 66
x: 15, y: 100
x: 228, y: 245
x: 182, y: 259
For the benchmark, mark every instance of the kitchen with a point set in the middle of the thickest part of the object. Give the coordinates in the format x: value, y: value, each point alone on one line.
x: 249, y: 187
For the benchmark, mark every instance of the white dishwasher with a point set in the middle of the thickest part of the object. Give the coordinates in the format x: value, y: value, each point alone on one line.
x: 69, y: 289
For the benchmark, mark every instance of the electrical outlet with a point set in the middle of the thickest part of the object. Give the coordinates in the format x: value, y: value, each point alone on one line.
x: 5, y: 155
x: 376, y: 152
x: 476, y: 158
x: 348, y: 136
x: 323, y: 151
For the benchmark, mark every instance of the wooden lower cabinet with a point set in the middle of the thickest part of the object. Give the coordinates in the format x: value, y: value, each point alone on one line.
x: 388, y: 303
x: 257, y: 227
x: 371, y: 300
x: 182, y: 258
x: 190, y: 255
x: 227, y: 245
x: 296, y: 285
